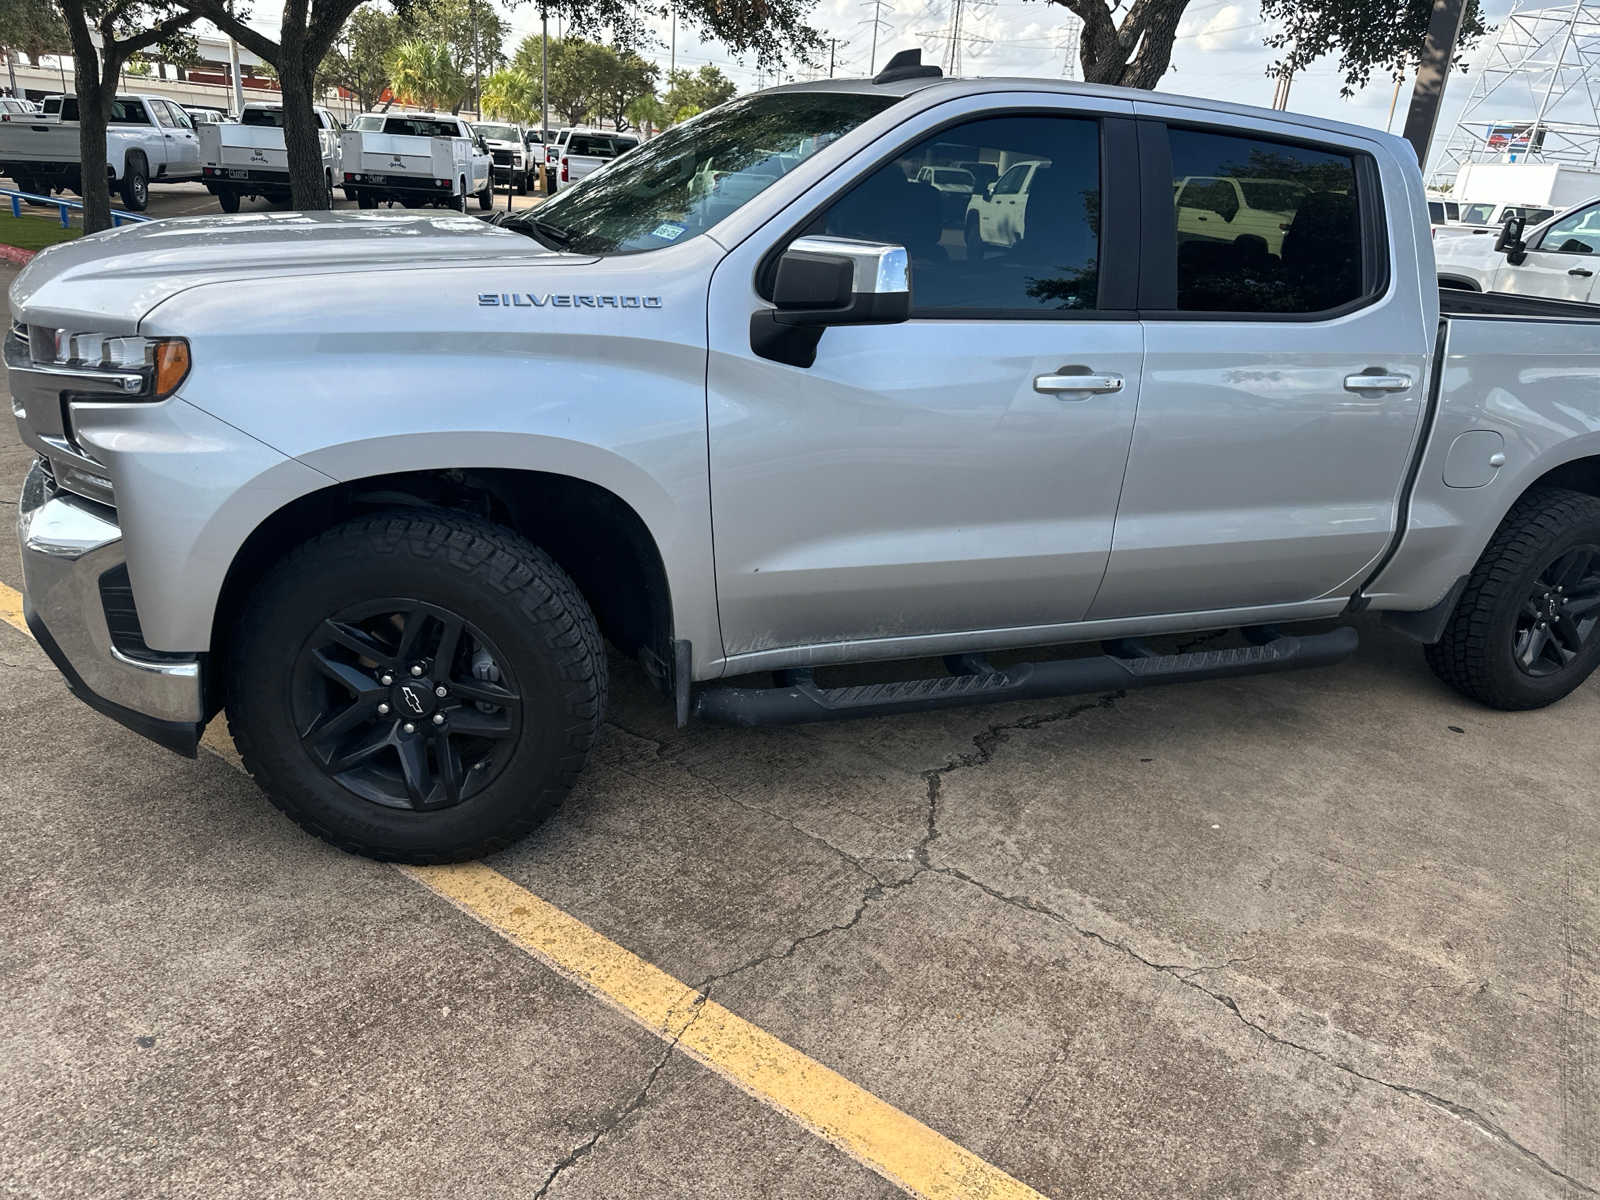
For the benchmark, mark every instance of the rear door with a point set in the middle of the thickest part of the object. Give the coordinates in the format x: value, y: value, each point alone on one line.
x: 1283, y: 387
x: 943, y: 475
x: 1562, y: 260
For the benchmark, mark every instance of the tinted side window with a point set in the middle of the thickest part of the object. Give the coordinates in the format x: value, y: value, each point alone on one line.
x: 1264, y: 227
x: 1029, y: 252
x: 1576, y: 234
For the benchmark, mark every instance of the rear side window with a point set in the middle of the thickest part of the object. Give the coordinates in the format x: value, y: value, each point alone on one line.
x: 1264, y: 227
x: 593, y: 147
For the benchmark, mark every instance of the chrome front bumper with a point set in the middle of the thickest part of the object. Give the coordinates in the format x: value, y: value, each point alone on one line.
x: 68, y: 544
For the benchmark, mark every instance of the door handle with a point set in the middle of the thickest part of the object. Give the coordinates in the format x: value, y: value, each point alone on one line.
x: 1076, y: 380
x: 1583, y: 271
x: 1377, y: 383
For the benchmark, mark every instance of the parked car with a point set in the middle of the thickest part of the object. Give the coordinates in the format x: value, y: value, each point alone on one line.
x: 1482, y: 217
x: 206, y: 116
x: 552, y: 158
x: 1558, y: 258
x: 955, y: 186
x: 415, y: 159
x: 247, y: 157
x: 996, y: 216
x: 15, y: 107
x: 1228, y: 208
x: 508, y: 146
x: 1443, y: 211
x: 581, y: 152
x: 149, y: 140
x: 299, y: 473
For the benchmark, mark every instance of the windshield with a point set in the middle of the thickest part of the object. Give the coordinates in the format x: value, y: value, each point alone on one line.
x: 696, y: 174
x: 1477, y: 214
x: 500, y: 133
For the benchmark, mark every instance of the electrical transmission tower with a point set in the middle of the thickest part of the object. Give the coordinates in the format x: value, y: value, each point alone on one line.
x: 1536, y: 92
x: 877, y: 25
x: 1071, y: 35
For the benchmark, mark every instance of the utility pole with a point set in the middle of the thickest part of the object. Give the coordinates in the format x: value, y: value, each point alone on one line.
x: 233, y: 70
x: 1427, y: 94
x: 672, y: 59
x: 477, y: 80
x: 11, y: 69
x: 832, y: 42
x: 544, y: 92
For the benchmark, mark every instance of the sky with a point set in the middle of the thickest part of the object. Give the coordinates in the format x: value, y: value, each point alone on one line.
x: 1219, y: 52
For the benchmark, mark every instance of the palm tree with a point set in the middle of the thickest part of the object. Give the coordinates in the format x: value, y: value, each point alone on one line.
x: 422, y: 73
x: 646, y: 113
x: 511, y: 94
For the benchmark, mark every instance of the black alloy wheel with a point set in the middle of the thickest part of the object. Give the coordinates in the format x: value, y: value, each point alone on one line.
x: 406, y: 704
x: 1560, y: 614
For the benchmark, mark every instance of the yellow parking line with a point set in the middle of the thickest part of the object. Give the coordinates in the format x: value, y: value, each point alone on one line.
x: 876, y: 1134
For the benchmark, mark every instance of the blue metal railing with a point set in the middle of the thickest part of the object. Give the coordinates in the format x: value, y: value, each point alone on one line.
x: 63, y: 207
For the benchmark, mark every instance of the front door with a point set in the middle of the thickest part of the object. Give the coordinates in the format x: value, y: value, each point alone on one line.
x: 936, y: 476
x: 1561, y: 262
x: 1283, y: 386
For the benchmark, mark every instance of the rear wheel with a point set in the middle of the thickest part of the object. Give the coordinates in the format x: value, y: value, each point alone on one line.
x: 136, y: 185
x: 1527, y: 629
x: 417, y: 686
x: 229, y: 199
x: 459, y: 203
x: 974, y: 238
x: 486, y: 197
x: 365, y: 200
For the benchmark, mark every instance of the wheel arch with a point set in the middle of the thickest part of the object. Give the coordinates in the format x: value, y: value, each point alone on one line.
x: 595, y: 535
x: 1460, y: 283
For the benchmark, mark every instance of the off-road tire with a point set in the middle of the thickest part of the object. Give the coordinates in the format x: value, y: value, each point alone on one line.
x: 495, y: 579
x: 1475, y: 655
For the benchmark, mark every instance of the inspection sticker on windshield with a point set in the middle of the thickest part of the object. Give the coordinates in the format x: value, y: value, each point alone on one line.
x: 668, y: 231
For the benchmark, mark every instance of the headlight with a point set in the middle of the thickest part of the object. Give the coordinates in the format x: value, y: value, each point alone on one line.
x: 148, y: 368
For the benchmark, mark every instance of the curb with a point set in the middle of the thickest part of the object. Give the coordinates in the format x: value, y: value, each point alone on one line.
x: 16, y: 254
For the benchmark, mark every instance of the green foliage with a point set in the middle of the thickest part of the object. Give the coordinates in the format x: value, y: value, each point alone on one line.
x: 691, y: 92
x: 471, y: 32
x: 33, y: 27
x: 512, y: 95
x: 647, y: 113
x: 359, y: 60
x: 774, y: 31
x: 1367, y: 35
x: 424, y: 74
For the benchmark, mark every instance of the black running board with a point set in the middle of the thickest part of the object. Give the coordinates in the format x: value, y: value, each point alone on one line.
x: 1133, y: 666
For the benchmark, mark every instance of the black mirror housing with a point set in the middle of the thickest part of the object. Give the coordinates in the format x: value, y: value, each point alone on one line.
x: 1510, y: 241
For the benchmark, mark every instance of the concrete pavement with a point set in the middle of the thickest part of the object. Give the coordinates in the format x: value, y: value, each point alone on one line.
x: 1325, y: 934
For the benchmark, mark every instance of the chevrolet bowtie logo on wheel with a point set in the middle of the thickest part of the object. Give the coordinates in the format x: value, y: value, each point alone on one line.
x: 413, y: 701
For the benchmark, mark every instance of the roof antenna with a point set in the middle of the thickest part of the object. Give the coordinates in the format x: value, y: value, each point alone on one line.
x: 906, y: 65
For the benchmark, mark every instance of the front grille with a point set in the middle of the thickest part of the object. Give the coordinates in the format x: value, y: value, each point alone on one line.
x: 502, y: 158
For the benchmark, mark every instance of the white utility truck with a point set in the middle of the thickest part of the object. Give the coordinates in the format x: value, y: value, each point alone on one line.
x: 414, y: 160
x: 247, y: 157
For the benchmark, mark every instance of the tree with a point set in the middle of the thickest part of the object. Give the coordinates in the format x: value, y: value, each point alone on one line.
x: 424, y: 74
x: 627, y: 78
x: 1367, y: 35
x: 647, y: 113
x: 1129, y: 42
x: 31, y: 27
x: 691, y: 92
x: 123, y: 28
x: 305, y: 36
x: 359, y: 61
x: 471, y: 32
x: 512, y: 95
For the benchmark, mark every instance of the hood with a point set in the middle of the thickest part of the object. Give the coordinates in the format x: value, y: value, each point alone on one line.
x: 112, y: 279
x: 1462, y: 247
x: 503, y: 144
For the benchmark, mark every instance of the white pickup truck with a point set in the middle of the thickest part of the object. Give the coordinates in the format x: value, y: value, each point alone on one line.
x: 415, y: 159
x: 581, y: 152
x: 149, y: 140
x: 247, y: 157
x: 1556, y: 258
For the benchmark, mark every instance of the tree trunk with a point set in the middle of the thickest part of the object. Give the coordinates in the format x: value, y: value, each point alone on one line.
x: 308, y: 185
x: 94, y: 114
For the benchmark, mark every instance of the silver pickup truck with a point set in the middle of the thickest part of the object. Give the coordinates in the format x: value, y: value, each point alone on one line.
x: 795, y: 425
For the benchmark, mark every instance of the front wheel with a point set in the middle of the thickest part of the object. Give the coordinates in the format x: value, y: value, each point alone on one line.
x: 416, y: 686
x: 1527, y: 629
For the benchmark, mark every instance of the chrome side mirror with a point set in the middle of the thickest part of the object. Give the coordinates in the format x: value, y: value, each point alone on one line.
x: 823, y: 281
